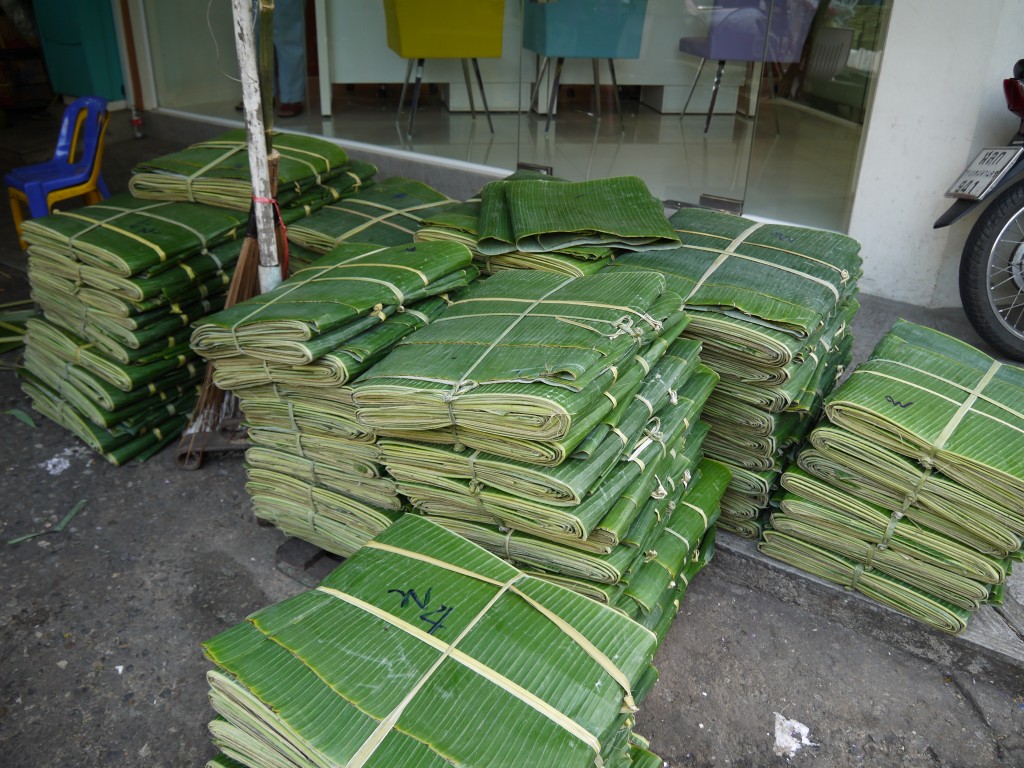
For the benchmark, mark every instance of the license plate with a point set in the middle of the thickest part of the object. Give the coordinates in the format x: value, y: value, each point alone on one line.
x: 984, y: 172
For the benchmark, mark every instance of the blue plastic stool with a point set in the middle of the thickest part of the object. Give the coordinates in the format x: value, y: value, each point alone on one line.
x: 74, y: 169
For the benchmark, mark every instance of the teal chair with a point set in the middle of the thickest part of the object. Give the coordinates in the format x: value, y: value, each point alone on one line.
x: 582, y: 29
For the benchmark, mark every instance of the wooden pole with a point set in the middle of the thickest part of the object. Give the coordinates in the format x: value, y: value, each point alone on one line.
x: 269, y: 269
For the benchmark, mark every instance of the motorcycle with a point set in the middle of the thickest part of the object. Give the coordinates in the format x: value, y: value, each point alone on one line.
x: 992, y: 262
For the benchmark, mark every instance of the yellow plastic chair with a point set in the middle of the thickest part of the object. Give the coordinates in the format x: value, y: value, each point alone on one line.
x: 74, y: 169
x: 444, y: 29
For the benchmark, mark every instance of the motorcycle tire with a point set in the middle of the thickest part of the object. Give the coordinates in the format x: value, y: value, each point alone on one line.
x: 992, y: 273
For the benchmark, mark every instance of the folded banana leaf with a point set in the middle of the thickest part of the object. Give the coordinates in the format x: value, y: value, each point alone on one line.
x: 844, y: 515
x: 874, y: 584
x: 695, y: 513
x: 274, y: 407
x: 943, y: 403
x: 546, y: 557
x: 377, y: 491
x: 858, y: 465
x: 460, y: 223
x: 388, y: 213
x: 597, y: 524
x: 216, y: 172
x: 66, y: 346
x: 333, y: 521
x: 535, y: 215
x: 562, y: 668
x: 785, y: 278
x: 568, y: 483
x: 95, y: 399
x: 757, y: 354
x: 139, y: 437
x: 522, y: 355
x: 198, y: 268
x: 357, y: 458
x: 342, y: 294
x: 659, y: 620
x: 336, y: 367
x: 128, y: 236
x: 746, y: 529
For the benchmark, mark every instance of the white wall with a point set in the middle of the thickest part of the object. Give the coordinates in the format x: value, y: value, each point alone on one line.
x: 938, y: 101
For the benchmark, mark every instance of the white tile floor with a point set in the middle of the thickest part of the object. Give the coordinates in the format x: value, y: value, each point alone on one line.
x: 801, y: 173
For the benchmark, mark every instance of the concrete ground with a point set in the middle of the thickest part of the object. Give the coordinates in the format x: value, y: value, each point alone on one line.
x: 100, y: 662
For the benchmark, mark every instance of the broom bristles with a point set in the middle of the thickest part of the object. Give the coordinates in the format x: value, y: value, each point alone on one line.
x: 215, y: 406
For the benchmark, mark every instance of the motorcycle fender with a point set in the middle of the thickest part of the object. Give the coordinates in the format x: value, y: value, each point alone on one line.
x: 961, y: 207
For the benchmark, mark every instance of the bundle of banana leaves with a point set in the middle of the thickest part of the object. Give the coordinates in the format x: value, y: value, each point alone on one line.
x: 771, y: 306
x: 520, y: 365
x: 388, y: 213
x: 314, y: 469
x: 910, y: 492
x: 535, y: 214
x: 568, y: 672
x: 119, y: 283
x: 311, y: 173
x: 345, y: 292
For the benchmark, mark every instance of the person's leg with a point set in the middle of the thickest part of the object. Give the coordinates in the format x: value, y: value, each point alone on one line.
x: 290, y: 50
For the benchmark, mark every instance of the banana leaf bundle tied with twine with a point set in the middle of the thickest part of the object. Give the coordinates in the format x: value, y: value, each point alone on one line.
x: 388, y: 213
x: 567, y: 671
x: 474, y: 220
x: 858, y: 465
x: 771, y: 306
x: 337, y: 366
x: 633, y: 463
x: 119, y: 283
x: 311, y: 172
x: 911, y: 494
x: 537, y: 215
x: 345, y: 292
x: 131, y: 237
x: 944, y: 404
x: 523, y: 356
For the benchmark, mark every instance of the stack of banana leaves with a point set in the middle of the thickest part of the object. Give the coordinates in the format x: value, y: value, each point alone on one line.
x: 388, y: 213
x: 312, y: 680
x: 119, y: 283
x: 554, y: 421
x: 289, y: 354
x: 533, y: 221
x: 912, y: 490
x: 312, y: 172
x: 772, y: 306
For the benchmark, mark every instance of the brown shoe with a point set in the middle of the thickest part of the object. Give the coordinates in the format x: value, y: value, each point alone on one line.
x: 290, y: 109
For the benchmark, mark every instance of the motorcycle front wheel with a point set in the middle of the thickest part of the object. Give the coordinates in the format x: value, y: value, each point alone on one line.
x: 992, y: 273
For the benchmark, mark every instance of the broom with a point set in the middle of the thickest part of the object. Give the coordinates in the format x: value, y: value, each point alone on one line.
x: 215, y: 422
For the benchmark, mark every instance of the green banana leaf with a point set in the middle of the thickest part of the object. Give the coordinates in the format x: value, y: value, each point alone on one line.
x: 66, y: 346
x: 534, y: 215
x: 568, y: 483
x: 139, y: 437
x: 876, y: 585
x: 460, y: 223
x: 343, y: 293
x: 860, y: 466
x: 388, y: 213
x: 522, y: 355
x: 942, y: 403
x: 789, y: 279
x: 216, y: 172
x: 128, y: 236
x: 333, y: 521
x: 520, y: 649
x: 695, y: 513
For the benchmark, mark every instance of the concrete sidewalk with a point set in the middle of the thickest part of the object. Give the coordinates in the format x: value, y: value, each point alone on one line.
x: 101, y: 662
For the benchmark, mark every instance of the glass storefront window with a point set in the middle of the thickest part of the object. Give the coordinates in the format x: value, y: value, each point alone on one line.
x: 782, y: 143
